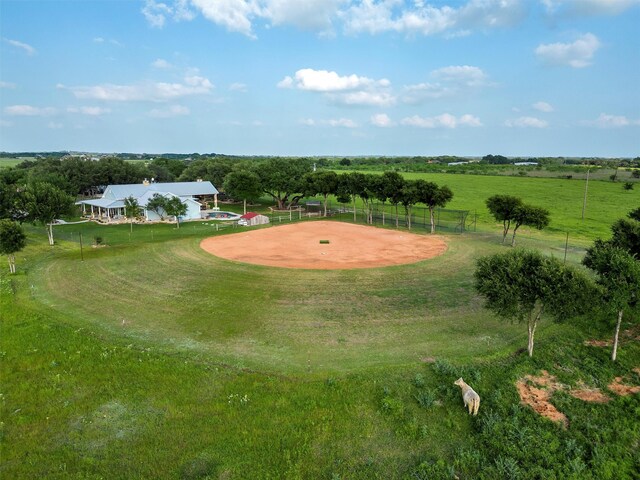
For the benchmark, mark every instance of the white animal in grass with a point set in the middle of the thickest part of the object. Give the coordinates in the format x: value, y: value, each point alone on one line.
x: 470, y: 397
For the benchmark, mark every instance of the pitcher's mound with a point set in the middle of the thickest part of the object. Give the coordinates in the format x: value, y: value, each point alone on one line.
x: 298, y: 245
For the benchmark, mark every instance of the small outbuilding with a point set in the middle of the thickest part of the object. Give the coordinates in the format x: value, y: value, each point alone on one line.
x: 252, y: 218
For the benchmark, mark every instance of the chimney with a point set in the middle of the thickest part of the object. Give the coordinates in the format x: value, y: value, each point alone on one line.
x: 145, y: 182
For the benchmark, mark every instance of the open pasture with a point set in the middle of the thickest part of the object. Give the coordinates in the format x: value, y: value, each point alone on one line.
x: 606, y: 201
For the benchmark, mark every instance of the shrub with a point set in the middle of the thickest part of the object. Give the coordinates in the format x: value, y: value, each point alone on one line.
x: 425, y: 398
x: 628, y: 186
x: 418, y: 380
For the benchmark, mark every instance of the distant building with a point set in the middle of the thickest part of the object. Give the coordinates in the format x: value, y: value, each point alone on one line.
x: 252, y: 218
x: 111, y: 205
x: 518, y: 164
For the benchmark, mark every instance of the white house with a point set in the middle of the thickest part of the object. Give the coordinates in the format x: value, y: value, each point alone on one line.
x: 111, y: 205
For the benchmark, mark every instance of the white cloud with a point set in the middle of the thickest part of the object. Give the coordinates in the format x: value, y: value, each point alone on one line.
x: 588, y: 7
x: 446, y: 120
x: 153, y: 92
x: 543, y: 107
x: 462, y: 74
x: 577, y: 54
x: 355, y: 16
x: 55, y: 125
x: 91, y: 111
x: 381, y: 120
x: 29, y: 111
x: 342, y: 122
x: 161, y: 64
x: 364, y: 98
x: 21, y: 45
x: 172, y: 111
x: 307, y: 14
x: 286, y: 82
x: 234, y: 15
x: 238, y: 87
x: 448, y: 81
x: 111, y: 41
x: 393, y: 15
x: 7, y: 85
x: 470, y: 121
x: 525, y: 122
x: 156, y: 13
x: 336, y: 122
x: 342, y: 89
x: 612, y: 121
x: 325, y: 81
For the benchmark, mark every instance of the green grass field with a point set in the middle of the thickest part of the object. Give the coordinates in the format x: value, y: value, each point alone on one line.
x: 12, y: 162
x: 151, y: 359
x: 606, y: 200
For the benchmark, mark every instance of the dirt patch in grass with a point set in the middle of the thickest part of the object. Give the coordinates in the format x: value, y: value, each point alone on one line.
x: 598, y: 343
x: 351, y: 246
x: 623, y: 389
x: 587, y: 394
x: 537, y: 391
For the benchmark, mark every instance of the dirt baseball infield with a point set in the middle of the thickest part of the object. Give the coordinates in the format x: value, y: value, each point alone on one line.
x: 299, y: 245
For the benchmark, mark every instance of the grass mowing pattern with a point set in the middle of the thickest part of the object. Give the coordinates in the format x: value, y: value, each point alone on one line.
x: 278, y: 319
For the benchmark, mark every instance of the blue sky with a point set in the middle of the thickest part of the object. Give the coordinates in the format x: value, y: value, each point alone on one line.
x: 322, y: 77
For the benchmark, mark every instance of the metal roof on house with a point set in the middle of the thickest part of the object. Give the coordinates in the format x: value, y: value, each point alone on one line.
x: 102, y: 203
x: 180, y: 189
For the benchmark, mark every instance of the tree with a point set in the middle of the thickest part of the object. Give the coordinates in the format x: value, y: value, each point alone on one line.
x: 282, y: 180
x: 44, y: 203
x: 531, y: 216
x: 433, y: 196
x: 393, y: 183
x: 324, y: 182
x: 213, y: 169
x: 175, y: 208
x: 12, y: 240
x: 156, y: 204
x: 243, y: 184
x: 131, y: 209
x: 10, y: 200
x: 408, y: 198
x: 626, y: 233
x: 635, y: 213
x: 352, y: 184
x: 521, y: 285
x: 618, y: 276
x: 503, y: 208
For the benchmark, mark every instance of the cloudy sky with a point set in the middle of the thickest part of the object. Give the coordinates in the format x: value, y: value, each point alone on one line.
x: 322, y: 77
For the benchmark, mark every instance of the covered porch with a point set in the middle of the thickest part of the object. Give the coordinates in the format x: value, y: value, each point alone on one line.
x: 103, y: 209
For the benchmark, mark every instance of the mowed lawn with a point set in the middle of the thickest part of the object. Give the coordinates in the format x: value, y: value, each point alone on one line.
x: 274, y: 319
